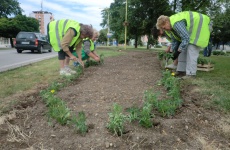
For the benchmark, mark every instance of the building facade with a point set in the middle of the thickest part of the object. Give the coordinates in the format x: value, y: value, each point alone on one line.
x: 4, y: 42
x: 44, y: 17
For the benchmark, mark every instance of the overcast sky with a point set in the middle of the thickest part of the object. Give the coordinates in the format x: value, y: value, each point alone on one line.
x: 83, y: 11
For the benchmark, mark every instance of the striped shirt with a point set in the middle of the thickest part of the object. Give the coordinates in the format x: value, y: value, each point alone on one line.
x: 180, y: 29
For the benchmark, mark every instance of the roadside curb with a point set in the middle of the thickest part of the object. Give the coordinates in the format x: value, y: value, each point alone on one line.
x: 25, y: 63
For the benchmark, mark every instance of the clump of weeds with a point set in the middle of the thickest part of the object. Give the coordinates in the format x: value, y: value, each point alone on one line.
x: 57, y: 108
x: 133, y: 114
x: 145, y: 115
x: 79, y: 123
x: 116, y: 120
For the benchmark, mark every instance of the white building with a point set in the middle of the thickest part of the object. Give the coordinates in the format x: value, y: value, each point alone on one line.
x: 44, y: 17
x: 4, y: 42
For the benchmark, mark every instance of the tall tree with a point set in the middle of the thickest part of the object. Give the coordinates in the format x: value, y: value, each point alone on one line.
x: 191, y: 5
x: 142, y: 16
x: 102, y: 37
x: 116, y: 14
x: 152, y: 10
x: 9, y: 7
x: 221, y: 30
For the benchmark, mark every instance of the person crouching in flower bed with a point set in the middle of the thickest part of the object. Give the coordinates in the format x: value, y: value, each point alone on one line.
x: 88, y: 49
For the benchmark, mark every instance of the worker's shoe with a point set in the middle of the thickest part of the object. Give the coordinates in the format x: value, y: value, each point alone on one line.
x: 171, y: 66
x: 67, y: 68
x: 64, y: 72
x: 180, y: 74
x: 188, y: 77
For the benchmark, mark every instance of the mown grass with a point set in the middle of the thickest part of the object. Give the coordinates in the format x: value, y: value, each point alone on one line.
x: 28, y: 77
x: 216, y: 82
x: 24, y: 78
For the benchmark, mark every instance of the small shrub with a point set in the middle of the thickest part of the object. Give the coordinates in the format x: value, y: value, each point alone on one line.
x: 133, y: 114
x: 203, y: 60
x: 166, y: 107
x: 162, y: 55
x: 79, y: 123
x: 150, y: 97
x: 145, y: 116
x: 59, y: 111
x: 218, y: 53
x: 102, y: 57
x: 116, y: 120
x: 166, y: 75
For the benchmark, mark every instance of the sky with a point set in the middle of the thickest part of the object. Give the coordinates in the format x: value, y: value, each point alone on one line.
x: 83, y: 11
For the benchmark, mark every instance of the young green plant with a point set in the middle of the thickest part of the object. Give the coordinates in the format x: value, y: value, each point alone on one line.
x: 116, y: 120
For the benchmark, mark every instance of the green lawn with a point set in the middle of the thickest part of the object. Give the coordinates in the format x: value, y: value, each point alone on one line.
x: 216, y: 83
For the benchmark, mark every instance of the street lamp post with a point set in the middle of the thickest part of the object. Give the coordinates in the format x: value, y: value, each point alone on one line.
x: 108, y: 34
x: 126, y: 23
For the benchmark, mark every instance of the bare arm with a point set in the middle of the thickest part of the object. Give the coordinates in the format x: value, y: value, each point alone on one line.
x: 66, y: 42
x: 92, y: 55
x: 78, y: 51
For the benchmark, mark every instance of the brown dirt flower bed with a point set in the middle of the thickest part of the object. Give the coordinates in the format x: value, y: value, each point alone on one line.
x: 122, y: 80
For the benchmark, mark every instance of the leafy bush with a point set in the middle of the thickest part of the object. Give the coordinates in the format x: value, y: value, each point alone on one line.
x: 218, y: 53
x: 133, y: 114
x: 162, y: 55
x: 95, y: 63
x: 145, y: 115
x: 203, y: 60
x: 59, y: 111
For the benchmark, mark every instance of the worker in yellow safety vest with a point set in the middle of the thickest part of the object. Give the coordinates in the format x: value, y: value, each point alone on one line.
x: 89, y: 49
x: 193, y: 29
x: 65, y: 35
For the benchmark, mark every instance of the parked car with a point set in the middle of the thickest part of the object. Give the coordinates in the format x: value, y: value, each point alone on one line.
x: 32, y: 41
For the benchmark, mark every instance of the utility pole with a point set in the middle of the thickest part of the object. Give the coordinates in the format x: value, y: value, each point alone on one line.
x: 108, y: 34
x: 126, y: 23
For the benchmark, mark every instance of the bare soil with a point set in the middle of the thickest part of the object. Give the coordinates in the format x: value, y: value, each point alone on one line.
x: 122, y: 80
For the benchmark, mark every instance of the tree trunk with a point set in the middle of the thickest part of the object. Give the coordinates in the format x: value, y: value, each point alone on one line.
x: 136, y: 40
x: 11, y: 42
x: 174, y: 5
x: 148, y: 42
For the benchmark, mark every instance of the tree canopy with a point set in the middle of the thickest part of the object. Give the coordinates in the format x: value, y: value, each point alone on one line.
x: 9, y: 7
x: 9, y: 27
x: 142, y: 15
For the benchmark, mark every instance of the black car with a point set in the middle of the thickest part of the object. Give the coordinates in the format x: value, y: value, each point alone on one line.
x: 31, y: 41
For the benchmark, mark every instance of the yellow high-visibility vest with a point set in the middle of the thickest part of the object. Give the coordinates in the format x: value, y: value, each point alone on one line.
x: 91, y: 44
x: 197, y: 26
x: 57, y: 30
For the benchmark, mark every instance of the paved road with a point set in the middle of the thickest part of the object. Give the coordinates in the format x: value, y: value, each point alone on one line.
x: 10, y: 59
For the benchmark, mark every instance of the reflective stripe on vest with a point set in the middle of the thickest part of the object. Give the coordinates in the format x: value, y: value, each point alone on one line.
x: 57, y: 34
x: 197, y: 26
x: 57, y: 30
x: 170, y: 34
